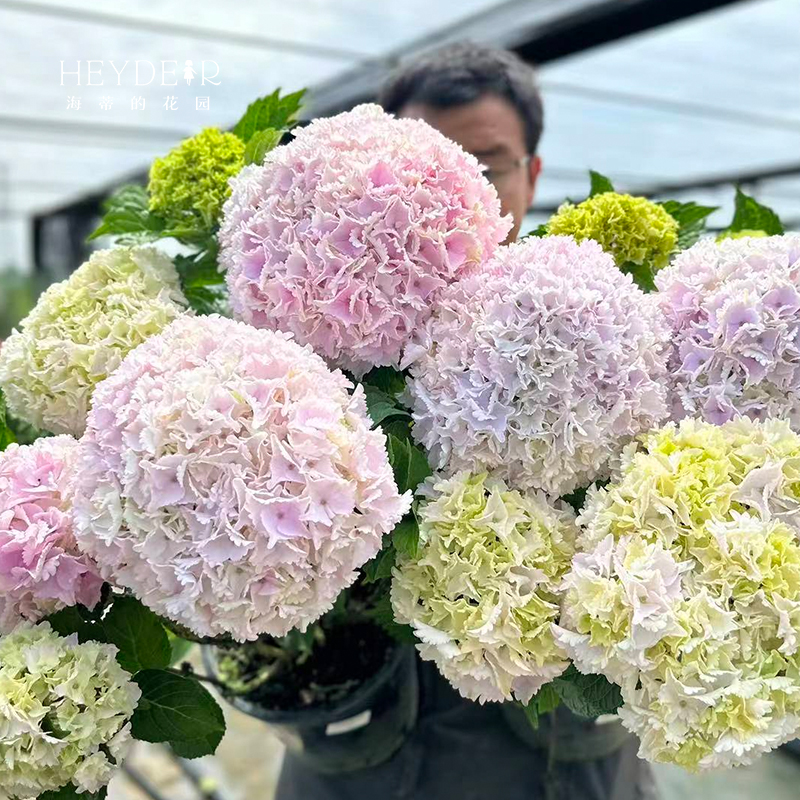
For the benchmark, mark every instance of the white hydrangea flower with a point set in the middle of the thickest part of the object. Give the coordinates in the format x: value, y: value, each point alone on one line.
x: 64, y: 712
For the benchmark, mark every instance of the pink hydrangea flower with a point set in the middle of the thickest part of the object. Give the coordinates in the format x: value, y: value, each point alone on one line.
x: 41, y: 567
x: 734, y: 307
x: 347, y: 235
x: 539, y: 367
x: 231, y: 481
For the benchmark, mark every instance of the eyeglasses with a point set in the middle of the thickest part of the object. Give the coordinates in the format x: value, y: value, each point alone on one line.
x: 498, y: 173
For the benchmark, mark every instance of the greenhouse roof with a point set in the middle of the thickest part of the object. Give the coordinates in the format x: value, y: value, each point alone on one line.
x: 698, y: 102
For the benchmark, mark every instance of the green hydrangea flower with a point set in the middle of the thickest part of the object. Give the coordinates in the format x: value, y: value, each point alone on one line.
x: 687, y: 591
x: 482, y: 591
x: 81, y: 329
x: 634, y: 230
x: 189, y: 185
x: 64, y: 712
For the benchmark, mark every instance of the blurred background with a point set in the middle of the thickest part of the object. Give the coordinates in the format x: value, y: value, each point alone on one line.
x: 678, y: 98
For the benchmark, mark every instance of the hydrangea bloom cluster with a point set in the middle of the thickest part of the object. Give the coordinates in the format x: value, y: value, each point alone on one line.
x: 81, y: 329
x: 734, y: 307
x: 190, y: 184
x: 634, y: 230
x: 64, y: 712
x: 687, y: 592
x: 231, y: 481
x: 41, y: 568
x: 481, y: 593
x: 540, y: 367
x: 346, y: 236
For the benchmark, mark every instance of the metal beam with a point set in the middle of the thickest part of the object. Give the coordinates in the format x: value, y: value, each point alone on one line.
x: 536, y: 37
x: 743, y: 177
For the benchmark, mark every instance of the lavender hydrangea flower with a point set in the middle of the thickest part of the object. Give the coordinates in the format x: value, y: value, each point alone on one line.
x: 734, y: 308
x: 231, y: 481
x: 539, y: 367
x: 347, y: 235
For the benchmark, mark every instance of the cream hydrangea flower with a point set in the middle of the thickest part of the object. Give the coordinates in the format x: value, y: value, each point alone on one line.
x: 64, y: 712
x: 81, y: 329
x: 482, y: 591
x: 634, y: 230
x: 687, y: 592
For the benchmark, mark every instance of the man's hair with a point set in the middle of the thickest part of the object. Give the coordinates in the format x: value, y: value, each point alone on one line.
x: 461, y: 73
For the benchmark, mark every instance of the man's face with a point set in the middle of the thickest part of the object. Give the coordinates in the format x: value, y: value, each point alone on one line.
x: 491, y: 129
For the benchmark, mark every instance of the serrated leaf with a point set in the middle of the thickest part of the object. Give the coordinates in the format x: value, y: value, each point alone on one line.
x: 386, y: 379
x: 531, y: 713
x: 405, y: 536
x: 540, y: 231
x: 409, y: 463
x: 381, y: 406
x: 750, y: 215
x: 138, y: 634
x: 260, y: 143
x: 599, y: 183
x: 208, y: 299
x: 6, y: 434
x: 179, y: 648
x: 272, y: 111
x: 128, y: 217
x: 587, y: 695
x: 177, y: 709
x: 380, y: 566
x: 383, y: 614
x: 71, y: 620
x: 200, y: 268
x: 642, y: 275
x: 691, y: 219
x: 547, y: 699
x: 196, y: 748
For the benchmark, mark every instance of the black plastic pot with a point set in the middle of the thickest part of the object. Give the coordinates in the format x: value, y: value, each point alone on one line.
x: 364, y: 730
x: 573, y: 738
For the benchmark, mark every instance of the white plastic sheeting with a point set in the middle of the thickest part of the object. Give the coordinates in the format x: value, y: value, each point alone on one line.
x: 716, y: 94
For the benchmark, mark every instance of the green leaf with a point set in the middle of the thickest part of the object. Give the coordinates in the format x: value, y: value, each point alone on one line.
x: 383, y: 614
x: 409, y: 464
x: 195, y: 748
x: 200, y: 268
x: 69, y: 792
x: 178, y: 710
x: 691, y: 219
x: 587, y: 695
x: 547, y: 699
x: 272, y: 111
x: 543, y: 702
x: 386, y: 379
x: 128, y: 217
x: 260, y: 143
x: 6, y: 434
x: 750, y: 215
x: 77, y: 619
x: 208, y: 299
x: 405, y: 536
x: 599, y: 183
x: 540, y: 231
x: 382, y: 406
x: 642, y: 275
x: 139, y: 635
x: 380, y: 566
x: 179, y: 648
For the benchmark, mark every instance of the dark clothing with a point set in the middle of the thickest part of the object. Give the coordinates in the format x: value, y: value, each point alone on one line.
x: 461, y: 750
